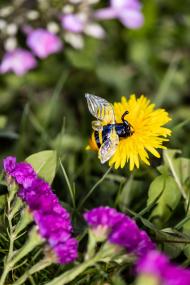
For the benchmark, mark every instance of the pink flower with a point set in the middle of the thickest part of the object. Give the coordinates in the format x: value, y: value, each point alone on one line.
x: 19, y: 61
x: 43, y: 42
x: 127, y: 11
x: 120, y: 230
x: 158, y: 265
x: 73, y: 23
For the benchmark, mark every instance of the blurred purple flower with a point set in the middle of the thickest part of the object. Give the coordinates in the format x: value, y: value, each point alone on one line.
x: 22, y: 172
x: 158, y: 265
x: 102, y: 216
x: 121, y: 229
x: 79, y: 23
x: 9, y: 164
x: 127, y: 11
x: 144, y: 245
x: 73, y: 23
x: 52, y: 219
x: 19, y: 61
x: 43, y: 42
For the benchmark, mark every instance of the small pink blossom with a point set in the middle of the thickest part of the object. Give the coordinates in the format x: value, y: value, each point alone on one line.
x: 127, y: 11
x: 19, y: 61
x: 43, y: 42
x: 78, y: 23
x: 157, y: 264
x: 73, y: 23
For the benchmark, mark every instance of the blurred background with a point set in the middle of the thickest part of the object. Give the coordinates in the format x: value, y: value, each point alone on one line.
x: 45, y: 108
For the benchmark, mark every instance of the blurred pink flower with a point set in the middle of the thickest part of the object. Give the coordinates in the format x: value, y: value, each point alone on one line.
x: 157, y: 265
x: 127, y: 11
x: 19, y: 61
x: 79, y: 23
x: 72, y: 23
x: 43, y: 42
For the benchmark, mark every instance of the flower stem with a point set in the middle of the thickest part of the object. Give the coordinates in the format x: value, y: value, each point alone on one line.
x: 11, y: 193
x: 70, y: 275
x: 176, y: 178
x: 106, y: 253
x: 94, y: 187
x: 33, y: 241
x: 12, y: 259
x: 35, y: 268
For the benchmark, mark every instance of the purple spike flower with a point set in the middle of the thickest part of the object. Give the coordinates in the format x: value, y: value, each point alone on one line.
x: 127, y: 11
x: 9, y: 164
x: 22, y: 172
x: 158, y: 265
x: 43, y: 42
x: 120, y: 229
x: 52, y: 220
x: 103, y: 216
x: 67, y: 252
x: 20, y: 61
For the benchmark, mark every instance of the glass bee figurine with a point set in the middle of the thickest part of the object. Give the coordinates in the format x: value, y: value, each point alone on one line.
x: 107, y: 132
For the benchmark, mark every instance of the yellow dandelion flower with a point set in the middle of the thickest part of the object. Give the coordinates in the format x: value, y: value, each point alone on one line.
x: 148, y: 136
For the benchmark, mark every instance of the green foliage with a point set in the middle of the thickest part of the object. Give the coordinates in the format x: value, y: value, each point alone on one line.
x: 168, y: 200
x: 44, y: 163
x: 46, y: 110
x: 85, y: 58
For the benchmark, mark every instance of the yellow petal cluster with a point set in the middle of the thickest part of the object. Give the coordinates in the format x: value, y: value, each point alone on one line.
x: 149, y: 133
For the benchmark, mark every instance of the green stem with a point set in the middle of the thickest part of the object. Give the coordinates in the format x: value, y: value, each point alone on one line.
x: 25, y: 220
x: 91, y: 247
x: 35, y: 268
x: 68, y: 184
x: 11, y: 243
x: 12, y: 188
x: 176, y: 178
x: 33, y: 241
x: 106, y: 253
x: 70, y: 275
x: 4, y: 275
x: 94, y: 187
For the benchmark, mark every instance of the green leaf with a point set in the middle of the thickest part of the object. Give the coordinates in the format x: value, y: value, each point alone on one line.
x: 180, y: 169
x: 146, y: 279
x: 3, y: 121
x: 180, y: 165
x: 44, y: 163
x: 86, y: 57
x: 168, y: 200
x: 114, y: 75
x: 186, y: 230
x: 173, y: 250
x: 118, y: 280
x: 2, y: 202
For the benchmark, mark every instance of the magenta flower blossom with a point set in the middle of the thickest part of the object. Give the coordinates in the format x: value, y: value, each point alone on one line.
x: 158, y: 265
x: 67, y: 252
x: 103, y: 216
x: 52, y: 220
x: 43, y: 43
x: 72, y: 23
x: 127, y: 11
x: 19, y: 61
x: 9, y: 164
x: 22, y: 172
x: 120, y: 229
